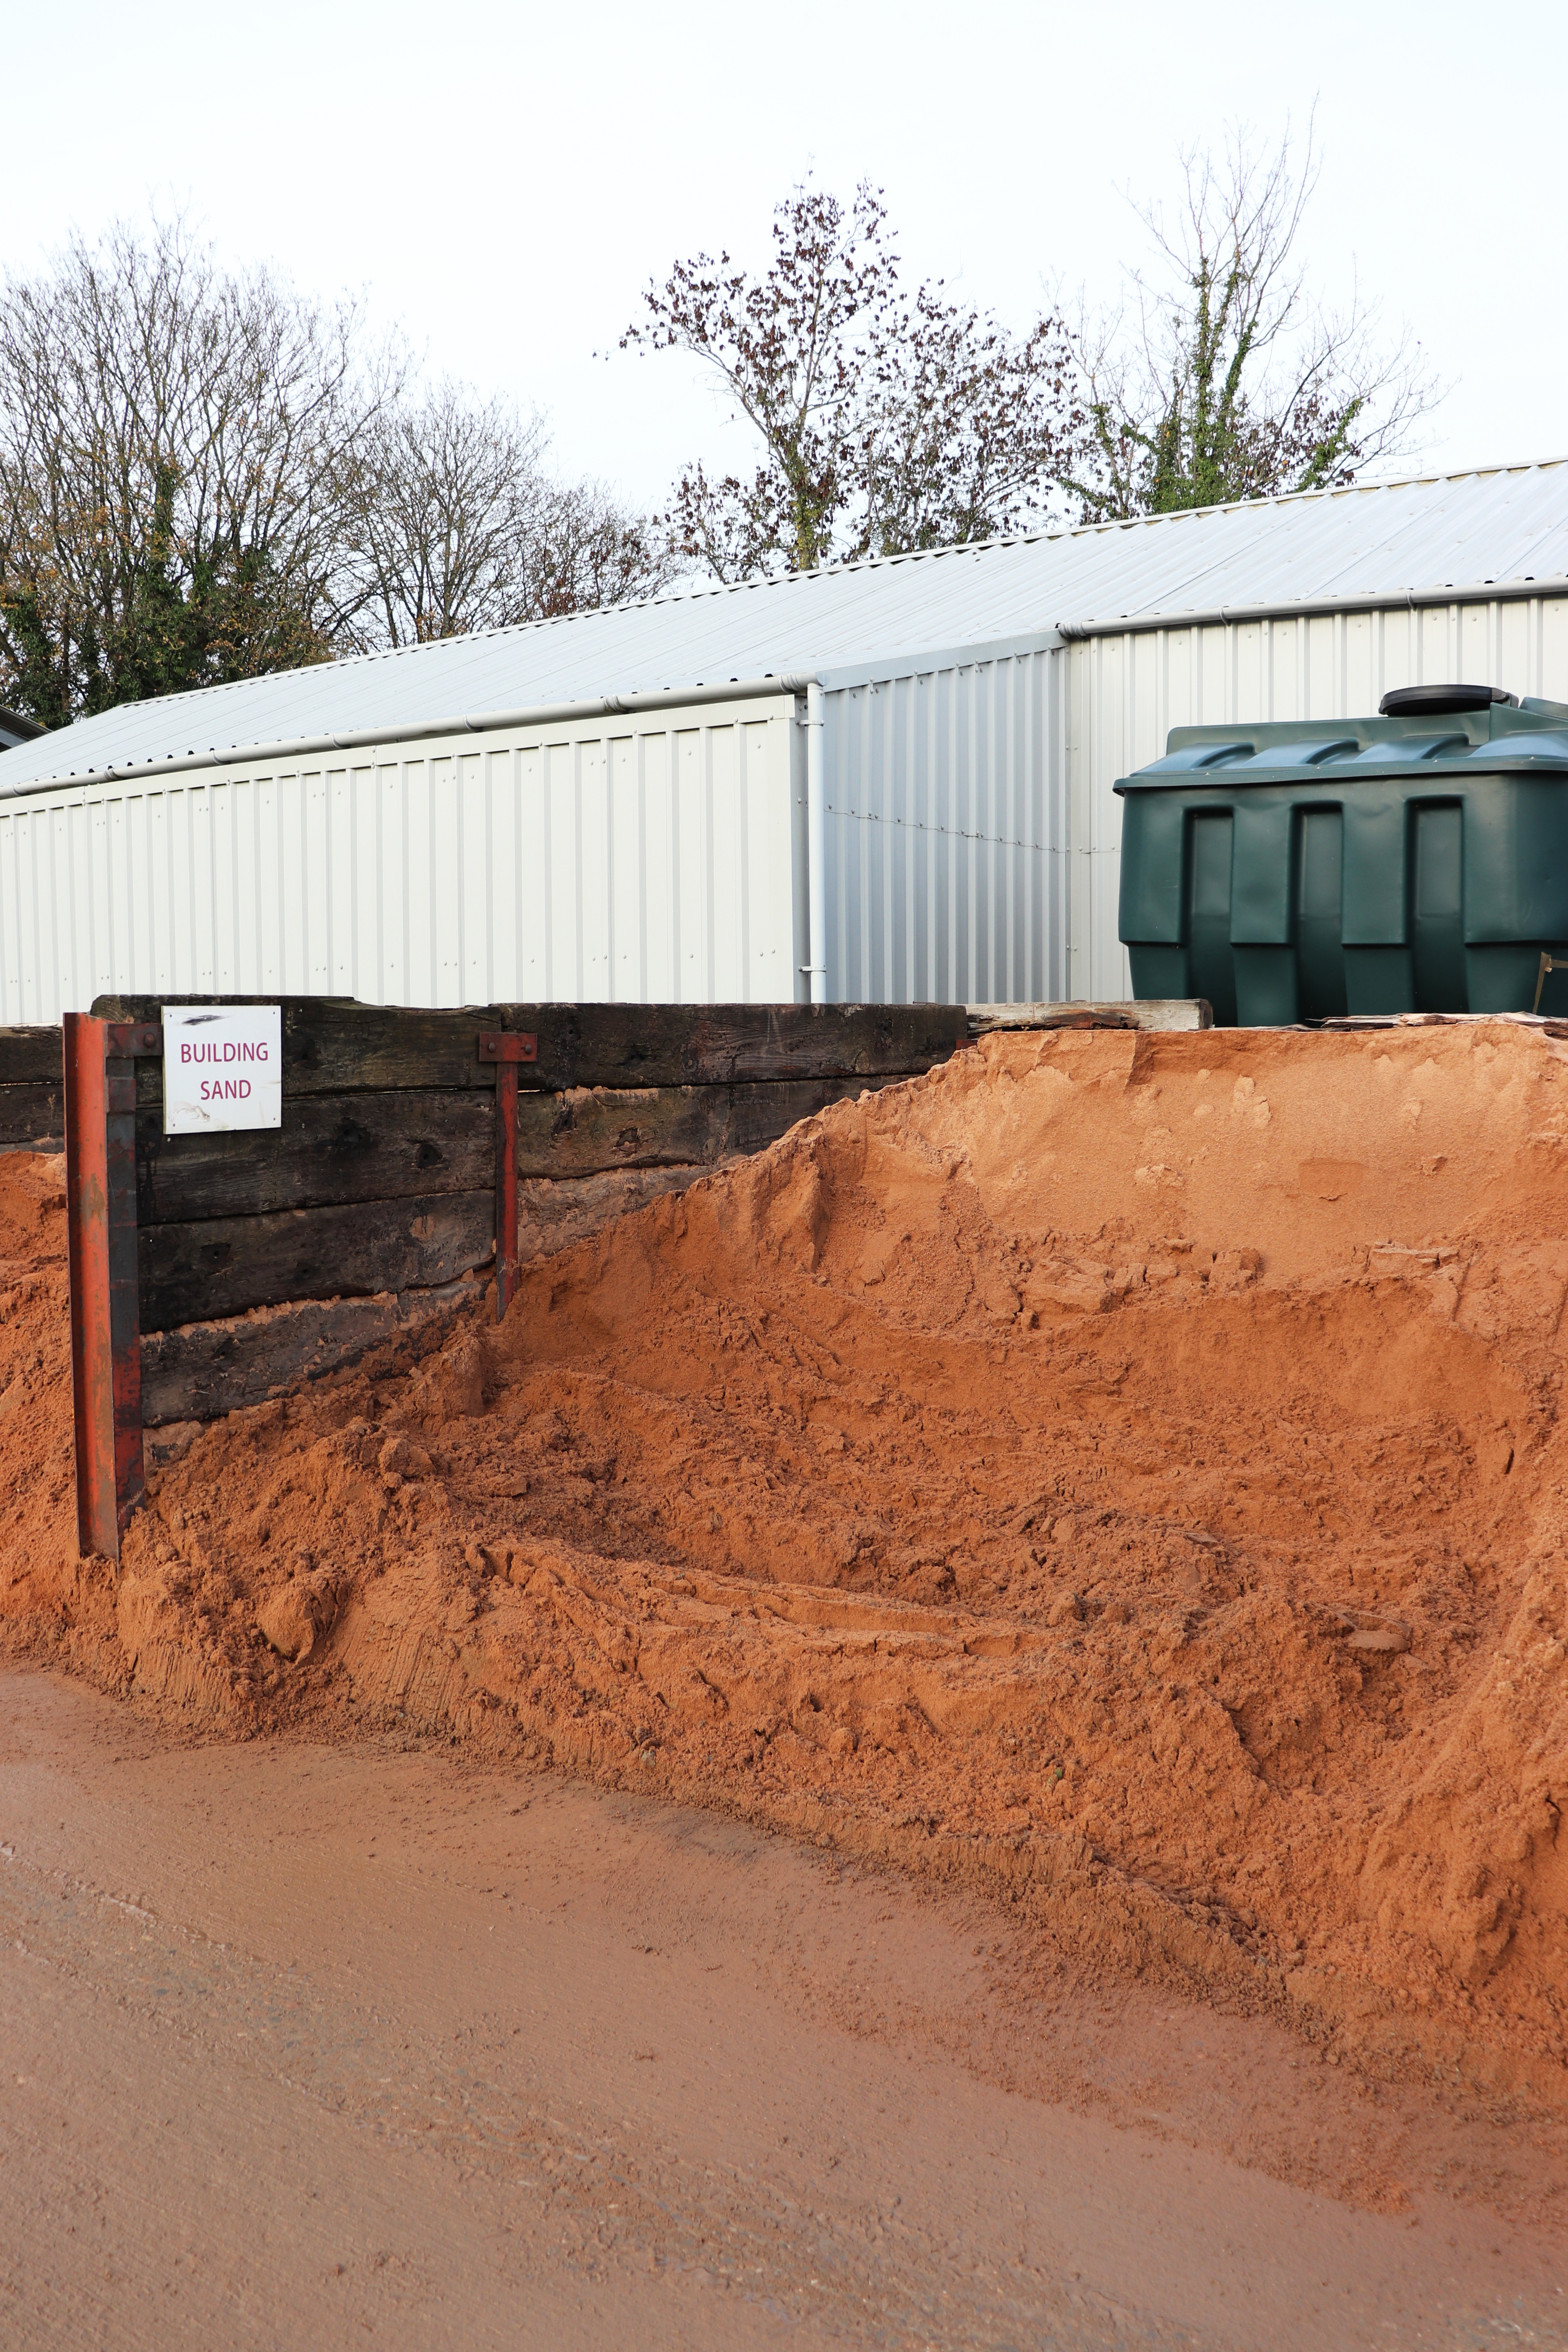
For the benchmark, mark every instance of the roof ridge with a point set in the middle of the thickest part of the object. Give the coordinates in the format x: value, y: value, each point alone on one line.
x: 1017, y: 539
x: 1011, y: 539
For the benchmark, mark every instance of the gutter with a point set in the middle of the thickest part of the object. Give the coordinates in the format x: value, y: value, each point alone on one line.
x: 539, y: 714
x: 1232, y: 616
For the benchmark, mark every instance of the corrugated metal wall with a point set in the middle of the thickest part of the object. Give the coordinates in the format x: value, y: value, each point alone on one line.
x: 616, y: 860
x: 946, y: 834
x: 1124, y: 692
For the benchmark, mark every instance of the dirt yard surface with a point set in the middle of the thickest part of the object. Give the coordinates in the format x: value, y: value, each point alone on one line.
x: 308, y: 2047
x: 1120, y: 1479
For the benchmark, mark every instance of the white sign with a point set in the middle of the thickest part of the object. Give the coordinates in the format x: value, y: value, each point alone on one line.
x: 223, y: 1067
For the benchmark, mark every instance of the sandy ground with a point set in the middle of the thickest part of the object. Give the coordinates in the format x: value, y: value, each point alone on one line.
x: 306, y: 2047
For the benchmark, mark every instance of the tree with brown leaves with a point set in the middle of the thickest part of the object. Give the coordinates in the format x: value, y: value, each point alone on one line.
x: 888, y: 421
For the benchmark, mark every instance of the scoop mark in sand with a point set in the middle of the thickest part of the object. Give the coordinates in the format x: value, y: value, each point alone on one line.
x: 1330, y: 1180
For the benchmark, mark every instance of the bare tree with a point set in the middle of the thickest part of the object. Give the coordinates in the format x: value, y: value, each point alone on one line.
x: 886, y: 422
x: 1233, y: 381
x: 170, y: 439
x: 453, y: 521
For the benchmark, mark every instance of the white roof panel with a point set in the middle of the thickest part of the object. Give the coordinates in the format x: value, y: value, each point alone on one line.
x: 1505, y: 524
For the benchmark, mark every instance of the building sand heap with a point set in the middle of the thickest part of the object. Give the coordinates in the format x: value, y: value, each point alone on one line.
x: 1122, y: 1471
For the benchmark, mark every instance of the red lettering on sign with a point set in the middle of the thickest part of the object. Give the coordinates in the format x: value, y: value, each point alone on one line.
x: 228, y: 1049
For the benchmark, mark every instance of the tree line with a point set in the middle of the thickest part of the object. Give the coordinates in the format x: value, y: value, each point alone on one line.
x: 205, y: 476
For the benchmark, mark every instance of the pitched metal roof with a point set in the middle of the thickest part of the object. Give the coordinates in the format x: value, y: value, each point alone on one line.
x: 1505, y: 524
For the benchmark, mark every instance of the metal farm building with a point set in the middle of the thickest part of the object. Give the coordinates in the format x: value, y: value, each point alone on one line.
x: 885, y: 782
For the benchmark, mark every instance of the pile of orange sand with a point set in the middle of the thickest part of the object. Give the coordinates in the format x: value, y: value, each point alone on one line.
x: 1124, y: 1471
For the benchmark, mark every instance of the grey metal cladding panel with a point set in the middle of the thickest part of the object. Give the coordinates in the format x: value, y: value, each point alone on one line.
x: 941, y: 874
x: 1379, y: 538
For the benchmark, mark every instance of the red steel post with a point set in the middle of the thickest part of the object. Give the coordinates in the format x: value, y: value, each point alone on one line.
x: 87, y: 1245
x: 100, y: 1217
x: 506, y: 1049
x: 506, y: 1186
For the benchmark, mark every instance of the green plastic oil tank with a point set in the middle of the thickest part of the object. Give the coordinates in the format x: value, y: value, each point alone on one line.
x: 1417, y: 862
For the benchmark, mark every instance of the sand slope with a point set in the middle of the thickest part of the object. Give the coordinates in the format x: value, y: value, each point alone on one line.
x: 1122, y: 1471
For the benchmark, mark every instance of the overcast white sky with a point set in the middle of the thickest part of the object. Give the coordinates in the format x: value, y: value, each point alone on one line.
x: 501, y: 181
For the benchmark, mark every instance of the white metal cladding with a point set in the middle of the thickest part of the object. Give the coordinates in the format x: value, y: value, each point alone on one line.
x: 946, y: 867
x: 1124, y: 692
x: 610, y: 861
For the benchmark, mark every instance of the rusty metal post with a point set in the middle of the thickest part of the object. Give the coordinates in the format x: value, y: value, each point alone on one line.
x: 506, y: 1049
x: 101, y: 1219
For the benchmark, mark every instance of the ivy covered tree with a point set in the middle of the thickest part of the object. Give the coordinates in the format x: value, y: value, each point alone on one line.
x: 171, y: 446
x: 203, y: 477
x: 1230, y: 380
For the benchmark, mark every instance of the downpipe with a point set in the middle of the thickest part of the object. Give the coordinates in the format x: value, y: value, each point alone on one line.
x: 816, y: 847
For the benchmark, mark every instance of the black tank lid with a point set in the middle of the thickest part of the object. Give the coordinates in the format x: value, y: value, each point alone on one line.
x: 1438, y: 701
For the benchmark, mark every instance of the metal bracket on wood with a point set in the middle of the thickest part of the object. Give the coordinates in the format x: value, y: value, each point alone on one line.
x: 100, y: 1221
x: 507, y: 1049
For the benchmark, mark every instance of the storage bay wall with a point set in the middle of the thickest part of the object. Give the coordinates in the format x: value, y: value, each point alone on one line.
x: 1124, y: 691
x: 366, y: 1214
x: 32, y: 1092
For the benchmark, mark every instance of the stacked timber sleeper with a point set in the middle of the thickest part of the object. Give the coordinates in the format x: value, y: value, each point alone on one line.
x: 369, y: 1210
x: 32, y: 1099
